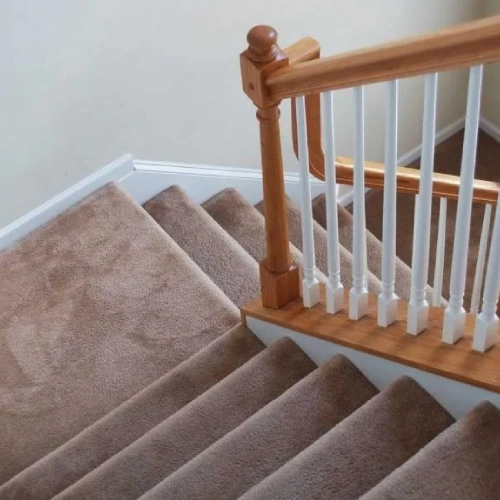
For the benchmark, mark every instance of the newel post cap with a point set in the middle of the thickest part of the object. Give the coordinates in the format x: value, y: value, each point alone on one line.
x: 262, y: 43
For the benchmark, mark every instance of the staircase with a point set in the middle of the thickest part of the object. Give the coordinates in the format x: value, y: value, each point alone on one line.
x: 126, y: 373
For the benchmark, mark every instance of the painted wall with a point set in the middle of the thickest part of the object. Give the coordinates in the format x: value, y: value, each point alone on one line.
x: 491, y: 96
x: 84, y: 82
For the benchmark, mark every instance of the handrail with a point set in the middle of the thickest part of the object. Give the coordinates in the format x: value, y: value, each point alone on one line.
x: 408, y: 181
x: 473, y: 43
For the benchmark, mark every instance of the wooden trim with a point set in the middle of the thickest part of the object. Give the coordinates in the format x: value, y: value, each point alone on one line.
x: 425, y: 351
x: 469, y: 44
x: 408, y: 180
x: 308, y: 49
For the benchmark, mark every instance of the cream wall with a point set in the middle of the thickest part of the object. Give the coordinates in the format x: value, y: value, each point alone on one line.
x: 83, y: 82
x: 491, y: 95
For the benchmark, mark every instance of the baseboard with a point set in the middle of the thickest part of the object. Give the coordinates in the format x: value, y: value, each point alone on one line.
x: 489, y: 128
x: 204, y: 181
x: 115, y: 171
x: 456, y: 397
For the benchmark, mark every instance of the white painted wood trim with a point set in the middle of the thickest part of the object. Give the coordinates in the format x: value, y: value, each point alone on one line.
x: 115, y: 171
x: 387, y: 300
x: 456, y: 397
x: 454, y: 315
x: 334, y: 288
x: 310, y: 284
x: 418, y: 307
x: 358, y: 294
x: 489, y: 128
x: 204, y: 181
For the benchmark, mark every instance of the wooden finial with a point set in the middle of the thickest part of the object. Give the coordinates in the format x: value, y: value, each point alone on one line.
x: 262, y: 44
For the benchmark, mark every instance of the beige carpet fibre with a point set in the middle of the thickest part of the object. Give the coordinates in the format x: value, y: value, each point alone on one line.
x: 125, y: 372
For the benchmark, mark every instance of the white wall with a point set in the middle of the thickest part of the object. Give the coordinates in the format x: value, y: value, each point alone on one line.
x: 491, y: 95
x: 86, y: 81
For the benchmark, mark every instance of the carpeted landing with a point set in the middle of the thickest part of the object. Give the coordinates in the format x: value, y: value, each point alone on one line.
x: 125, y: 373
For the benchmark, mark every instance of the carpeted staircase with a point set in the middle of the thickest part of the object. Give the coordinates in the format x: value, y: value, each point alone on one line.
x: 125, y: 373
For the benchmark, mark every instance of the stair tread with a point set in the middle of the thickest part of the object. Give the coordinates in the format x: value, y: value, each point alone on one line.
x: 321, y: 248
x: 373, y: 246
x: 103, y: 293
x: 182, y: 436
x: 272, y: 436
x: 361, y: 450
x: 245, y: 224
x: 212, y: 248
x: 460, y: 464
x: 136, y: 416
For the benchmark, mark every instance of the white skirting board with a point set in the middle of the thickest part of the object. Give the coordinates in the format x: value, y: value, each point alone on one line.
x: 204, y: 181
x: 456, y: 397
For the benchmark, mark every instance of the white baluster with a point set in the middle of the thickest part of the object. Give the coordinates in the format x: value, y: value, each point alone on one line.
x: 310, y: 284
x: 388, y: 300
x: 334, y: 288
x: 481, y: 259
x: 454, y: 315
x: 485, y: 335
x: 437, y: 293
x: 358, y: 295
x: 418, y: 308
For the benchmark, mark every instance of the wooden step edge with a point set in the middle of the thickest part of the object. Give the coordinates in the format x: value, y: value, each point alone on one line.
x: 425, y: 352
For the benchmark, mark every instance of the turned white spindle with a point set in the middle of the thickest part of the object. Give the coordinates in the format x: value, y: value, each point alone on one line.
x: 481, y: 259
x: 454, y: 315
x: 310, y: 284
x: 485, y: 335
x: 334, y: 288
x: 437, y: 292
x: 358, y: 295
x: 418, y: 308
x: 388, y: 300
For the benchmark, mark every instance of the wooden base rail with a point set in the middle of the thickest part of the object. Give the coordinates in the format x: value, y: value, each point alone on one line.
x: 425, y: 352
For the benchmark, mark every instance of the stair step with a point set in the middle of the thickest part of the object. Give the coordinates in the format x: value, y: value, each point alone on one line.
x: 96, y: 444
x: 321, y: 248
x: 96, y: 310
x: 460, y: 464
x: 360, y: 451
x: 223, y: 260
x: 179, y: 438
x: 373, y: 246
x: 271, y: 437
x: 245, y: 224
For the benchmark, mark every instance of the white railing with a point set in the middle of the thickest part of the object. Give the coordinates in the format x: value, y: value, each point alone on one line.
x: 418, y: 307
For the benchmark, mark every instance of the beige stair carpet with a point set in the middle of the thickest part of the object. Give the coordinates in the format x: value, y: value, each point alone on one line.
x: 136, y: 416
x: 321, y: 248
x: 447, y: 160
x: 374, y: 247
x: 245, y: 224
x: 271, y: 437
x: 181, y: 437
x: 207, y: 244
x: 460, y: 464
x: 101, y: 302
x: 361, y: 450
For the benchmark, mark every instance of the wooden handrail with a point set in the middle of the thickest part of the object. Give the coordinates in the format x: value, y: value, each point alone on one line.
x: 408, y: 180
x: 470, y: 44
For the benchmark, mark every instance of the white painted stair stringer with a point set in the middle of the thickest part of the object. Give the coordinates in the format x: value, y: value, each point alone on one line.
x: 456, y: 397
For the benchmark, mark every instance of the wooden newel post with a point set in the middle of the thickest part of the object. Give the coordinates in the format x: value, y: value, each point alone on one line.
x: 279, y: 277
